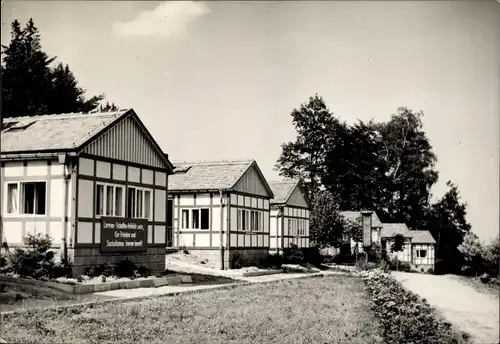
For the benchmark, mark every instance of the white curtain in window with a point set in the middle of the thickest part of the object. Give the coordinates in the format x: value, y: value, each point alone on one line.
x: 12, y: 205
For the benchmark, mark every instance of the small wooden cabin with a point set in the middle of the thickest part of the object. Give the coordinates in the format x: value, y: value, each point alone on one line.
x: 95, y: 183
x: 290, y: 211
x: 220, y: 211
x: 419, y: 248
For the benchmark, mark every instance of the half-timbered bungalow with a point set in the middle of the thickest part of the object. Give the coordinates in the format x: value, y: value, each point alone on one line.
x: 419, y: 248
x: 219, y: 211
x: 290, y: 210
x: 95, y: 183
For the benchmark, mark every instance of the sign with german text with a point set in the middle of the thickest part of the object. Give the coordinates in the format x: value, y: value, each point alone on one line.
x: 367, y: 230
x: 119, y: 234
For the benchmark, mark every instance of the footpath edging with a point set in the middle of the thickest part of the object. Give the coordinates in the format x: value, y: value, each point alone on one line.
x: 6, y: 315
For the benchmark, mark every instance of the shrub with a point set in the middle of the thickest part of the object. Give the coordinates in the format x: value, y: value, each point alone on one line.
x: 271, y: 261
x: 363, y: 265
x: 125, y: 268
x: 313, y: 256
x: 293, y: 255
x: 104, y: 269
x: 37, y: 260
x: 143, y: 271
x: 485, y: 278
x: 384, y: 265
x: 402, y: 266
x: 238, y: 261
x: 405, y: 317
x: 61, y: 270
x: 376, y: 253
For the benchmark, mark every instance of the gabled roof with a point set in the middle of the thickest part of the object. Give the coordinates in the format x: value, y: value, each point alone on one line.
x: 390, y: 229
x: 356, y: 215
x: 62, y: 132
x: 417, y: 237
x: 282, y: 190
x: 54, y: 132
x: 421, y: 237
x: 201, y: 176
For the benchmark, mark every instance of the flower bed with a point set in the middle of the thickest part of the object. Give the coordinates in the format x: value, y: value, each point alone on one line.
x: 406, y: 317
x: 87, y: 285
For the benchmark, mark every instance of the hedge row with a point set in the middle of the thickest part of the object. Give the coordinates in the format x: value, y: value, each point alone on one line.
x: 406, y: 318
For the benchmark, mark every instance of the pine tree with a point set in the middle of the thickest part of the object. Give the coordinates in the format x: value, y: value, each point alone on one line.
x: 31, y: 86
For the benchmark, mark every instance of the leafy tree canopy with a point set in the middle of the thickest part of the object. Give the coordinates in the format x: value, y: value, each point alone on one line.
x: 388, y: 167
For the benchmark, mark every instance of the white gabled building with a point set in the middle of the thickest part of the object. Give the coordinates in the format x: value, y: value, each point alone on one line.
x: 220, y: 210
x: 290, y: 212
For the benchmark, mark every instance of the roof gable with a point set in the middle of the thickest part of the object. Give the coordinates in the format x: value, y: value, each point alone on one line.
x: 391, y: 229
x: 417, y: 237
x: 289, y: 192
x: 93, y: 133
x: 128, y: 139
x: 54, y: 132
x: 253, y: 182
x: 216, y: 175
x: 421, y: 237
x: 207, y: 175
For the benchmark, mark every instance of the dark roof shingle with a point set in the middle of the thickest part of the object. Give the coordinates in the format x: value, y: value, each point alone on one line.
x: 282, y: 190
x: 417, y: 237
x: 54, y: 132
x: 207, y: 175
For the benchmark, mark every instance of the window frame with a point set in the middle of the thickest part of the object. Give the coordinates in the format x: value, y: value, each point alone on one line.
x: 419, y: 253
x: 20, y: 198
x: 105, y: 200
x: 142, y: 191
x: 190, y: 218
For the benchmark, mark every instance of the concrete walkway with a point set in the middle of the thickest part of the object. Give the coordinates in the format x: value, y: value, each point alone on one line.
x: 185, y: 288
x: 472, y: 311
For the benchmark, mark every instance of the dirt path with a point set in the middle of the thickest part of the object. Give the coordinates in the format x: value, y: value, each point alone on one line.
x: 472, y: 311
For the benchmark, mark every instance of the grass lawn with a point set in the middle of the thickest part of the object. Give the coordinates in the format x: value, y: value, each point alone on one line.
x: 318, y: 310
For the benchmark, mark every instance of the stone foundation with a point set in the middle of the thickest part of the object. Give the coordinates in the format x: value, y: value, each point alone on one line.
x: 84, y: 259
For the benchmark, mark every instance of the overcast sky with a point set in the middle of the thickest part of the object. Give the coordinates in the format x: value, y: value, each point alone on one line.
x: 218, y: 80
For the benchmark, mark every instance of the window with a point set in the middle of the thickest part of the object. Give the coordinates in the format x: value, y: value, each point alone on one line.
x: 109, y: 200
x: 255, y: 220
x: 205, y: 219
x: 421, y: 253
x: 170, y: 214
x: 147, y: 204
x: 131, y: 202
x: 196, y: 218
x: 26, y: 198
x: 185, y: 218
x: 34, y: 198
x: 302, y: 227
x: 110, y: 204
x: 12, y: 199
x: 139, y: 203
x: 200, y: 218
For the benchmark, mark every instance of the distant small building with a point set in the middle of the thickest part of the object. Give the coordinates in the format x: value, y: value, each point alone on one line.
x: 219, y: 210
x: 361, y: 216
x: 290, y: 211
x: 419, y: 249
